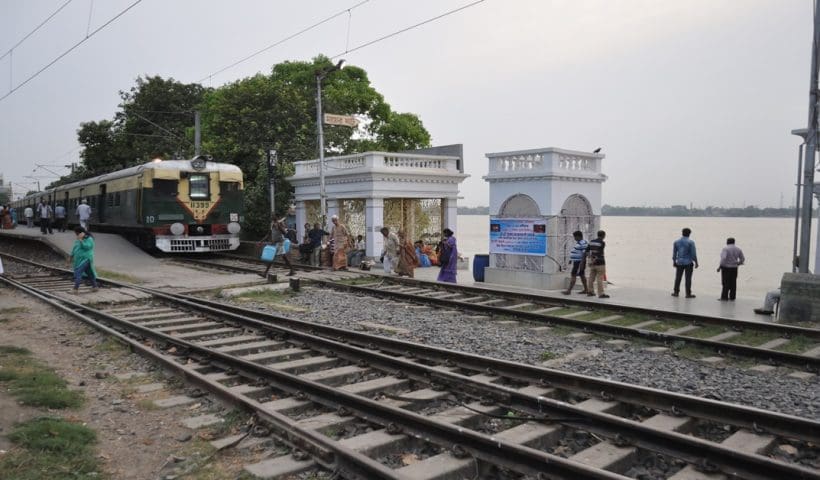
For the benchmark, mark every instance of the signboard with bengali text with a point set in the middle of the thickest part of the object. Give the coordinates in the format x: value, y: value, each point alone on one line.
x: 518, y: 236
x: 346, y: 120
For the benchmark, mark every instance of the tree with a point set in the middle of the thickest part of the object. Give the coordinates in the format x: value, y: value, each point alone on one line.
x: 244, y: 119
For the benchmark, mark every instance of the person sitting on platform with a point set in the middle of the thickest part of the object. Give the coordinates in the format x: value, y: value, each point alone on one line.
x: 772, y: 299
x: 424, y: 259
x: 355, y: 256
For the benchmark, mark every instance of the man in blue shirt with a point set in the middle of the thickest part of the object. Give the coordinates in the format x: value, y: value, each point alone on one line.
x: 684, y: 258
x: 576, y: 258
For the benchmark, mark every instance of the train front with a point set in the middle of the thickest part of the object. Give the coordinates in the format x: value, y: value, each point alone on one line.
x: 193, y: 206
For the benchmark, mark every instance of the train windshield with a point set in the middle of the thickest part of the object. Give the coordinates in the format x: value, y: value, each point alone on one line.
x: 199, y: 186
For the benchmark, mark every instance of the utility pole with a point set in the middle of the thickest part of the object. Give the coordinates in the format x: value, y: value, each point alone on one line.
x: 197, y: 135
x: 320, y: 75
x: 272, y: 156
x: 811, y: 153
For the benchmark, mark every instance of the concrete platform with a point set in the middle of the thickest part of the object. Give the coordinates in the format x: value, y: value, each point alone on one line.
x: 704, y: 304
x: 113, y: 254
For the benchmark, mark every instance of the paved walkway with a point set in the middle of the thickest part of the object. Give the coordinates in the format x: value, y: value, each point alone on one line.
x: 114, y: 255
x: 705, y: 303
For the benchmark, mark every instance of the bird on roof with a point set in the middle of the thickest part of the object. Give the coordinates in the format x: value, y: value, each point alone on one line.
x: 597, y: 150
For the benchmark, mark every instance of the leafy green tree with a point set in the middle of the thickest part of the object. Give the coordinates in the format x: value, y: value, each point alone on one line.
x: 245, y: 119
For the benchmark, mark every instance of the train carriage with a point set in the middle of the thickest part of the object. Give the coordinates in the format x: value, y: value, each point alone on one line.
x: 171, y: 205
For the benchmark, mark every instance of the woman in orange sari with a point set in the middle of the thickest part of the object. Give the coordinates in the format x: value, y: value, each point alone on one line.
x: 341, y: 243
x: 407, y: 256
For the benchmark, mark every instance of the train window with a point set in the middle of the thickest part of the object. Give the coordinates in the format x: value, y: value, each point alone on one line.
x: 228, y: 187
x: 199, y: 186
x: 109, y: 200
x: 165, y: 187
x: 117, y: 199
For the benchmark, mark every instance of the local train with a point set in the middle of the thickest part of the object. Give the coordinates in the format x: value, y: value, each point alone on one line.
x: 175, y: 206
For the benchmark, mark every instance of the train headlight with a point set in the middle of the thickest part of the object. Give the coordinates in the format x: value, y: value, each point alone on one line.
x: 234, y: 217
x: 177, y: 228
x: 234, y: 228
x: 200, y: 229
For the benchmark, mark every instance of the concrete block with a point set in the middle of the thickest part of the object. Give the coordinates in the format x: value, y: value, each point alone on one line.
x: 682, y: 330
x: 205, y: 333
x: 607, y: 456
x: 601, y: 406
x: 644, y: 324
x: 535, y: 435
x: 801, y: 375
x: 772, y: 344
x: 723, y: 336
x: 202, y: 421
x: 689, y: 473
x: 385, y: 384
x: 385, y: 328
x: 670, y: 423
x: 607, y: 319
x: 799, y: 298
x: 376, y: 443
x: 325, y: 420
x: 310, y: 364
x: 618, y: 343
x: 128, y: 376
x: 188, y: 327
x: 579, y: 335
x: 813, y: 352
x: 540, y: 329
x: 519, y: 306
x: 280, y: 467
x: 150, y: 387
x: 248, y: 347
x: 749, y: 442
x: 656, y: 349
x: 178, y: 401
x: 441, y: 467
x: 763, y: 368
x: 273, y: 356
x: 711, y: 360
x: 288, y: 406
x: 547, y: 310
x: 227, y: 441
x: 336, y: 376
x: 577, y: 314
x: 217, y: 342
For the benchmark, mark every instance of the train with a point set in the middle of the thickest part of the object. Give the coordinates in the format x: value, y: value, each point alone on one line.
x: 174, y: 206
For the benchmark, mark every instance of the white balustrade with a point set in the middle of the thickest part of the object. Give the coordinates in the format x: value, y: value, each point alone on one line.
x: 549, y: 160
x: 379, y: 160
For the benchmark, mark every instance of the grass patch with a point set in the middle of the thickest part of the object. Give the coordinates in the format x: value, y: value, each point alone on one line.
x: 629, y: 319
x: 120, y: 277
x: 547, y: 355
x: 706, y: 332
x: 51, y: 448
x: 33, y: 383
x: 147, y: 405
x: 666, y: 325
x: 798, y: 344
x: 752, y: 337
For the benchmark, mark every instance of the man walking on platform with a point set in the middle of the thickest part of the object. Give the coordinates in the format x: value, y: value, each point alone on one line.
x: 59, y: 218
x: 84, y: 213
x: 597, y: 265
x: 46, y: 213
x: 684, y: 259
x: 731, y: 257
x: 576, y: 257
x: 29, y: 214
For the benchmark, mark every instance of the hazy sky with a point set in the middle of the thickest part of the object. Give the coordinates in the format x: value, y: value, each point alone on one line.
x: 692, y: 102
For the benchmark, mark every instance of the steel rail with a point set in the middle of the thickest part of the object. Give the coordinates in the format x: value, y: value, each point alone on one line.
x: 327, y: 453
x: 503, y: 453
x: 687, y: 447
x: 793, y: 359
x: 680, y: 445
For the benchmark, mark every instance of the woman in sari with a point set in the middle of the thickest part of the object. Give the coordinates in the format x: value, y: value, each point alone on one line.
x: 407, y: 256
x: 341, y: 243
x: 448, y: 258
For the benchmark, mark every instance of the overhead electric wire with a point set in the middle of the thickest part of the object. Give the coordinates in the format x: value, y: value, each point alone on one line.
x: 279, y: 42
x: 397, y: 32
x: 38, y: 72
x: 36, y: 28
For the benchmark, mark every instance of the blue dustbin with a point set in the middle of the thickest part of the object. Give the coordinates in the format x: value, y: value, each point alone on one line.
x: 480, y: 262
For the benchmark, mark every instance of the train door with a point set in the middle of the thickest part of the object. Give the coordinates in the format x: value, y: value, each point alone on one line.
x: 67, y: 207
x: 101, y: 204
x: 138, y: 208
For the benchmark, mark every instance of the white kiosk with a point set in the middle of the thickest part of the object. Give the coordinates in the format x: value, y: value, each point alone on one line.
x: 417, y: 192
x: 537, y: 199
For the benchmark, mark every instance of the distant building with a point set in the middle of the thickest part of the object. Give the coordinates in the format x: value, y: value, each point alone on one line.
x: 5, y: 190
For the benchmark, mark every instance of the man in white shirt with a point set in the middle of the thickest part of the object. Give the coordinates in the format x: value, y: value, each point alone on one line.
x: 29, y: 214
x: 84, y: 213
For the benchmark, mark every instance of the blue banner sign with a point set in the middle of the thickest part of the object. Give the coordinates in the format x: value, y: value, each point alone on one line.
x: 518, y: 236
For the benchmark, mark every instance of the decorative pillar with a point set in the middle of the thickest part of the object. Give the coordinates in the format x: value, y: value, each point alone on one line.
x: 373, y: 222
x: 449, y: 217
x: 301, y: 218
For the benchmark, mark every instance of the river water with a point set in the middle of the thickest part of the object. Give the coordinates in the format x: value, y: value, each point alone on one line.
x: 639, y: 249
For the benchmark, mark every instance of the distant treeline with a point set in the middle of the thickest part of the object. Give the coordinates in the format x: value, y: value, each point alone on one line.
x: 684, y: 211
x: 673, y: 211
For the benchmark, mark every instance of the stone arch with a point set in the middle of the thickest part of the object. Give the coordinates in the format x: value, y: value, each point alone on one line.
x: 519, y: 206
x: 576, y: 214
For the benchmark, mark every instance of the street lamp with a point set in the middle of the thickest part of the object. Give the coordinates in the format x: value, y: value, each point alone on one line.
x: 320, y: 75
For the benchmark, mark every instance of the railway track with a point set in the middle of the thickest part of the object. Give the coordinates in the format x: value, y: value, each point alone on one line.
x: 372, y: 407
x: 771, y: 343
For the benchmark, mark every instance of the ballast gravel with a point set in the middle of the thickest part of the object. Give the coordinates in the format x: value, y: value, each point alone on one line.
x: 727, y: 381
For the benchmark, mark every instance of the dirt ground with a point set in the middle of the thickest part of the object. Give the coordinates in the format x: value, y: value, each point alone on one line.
x: 135, y: 439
